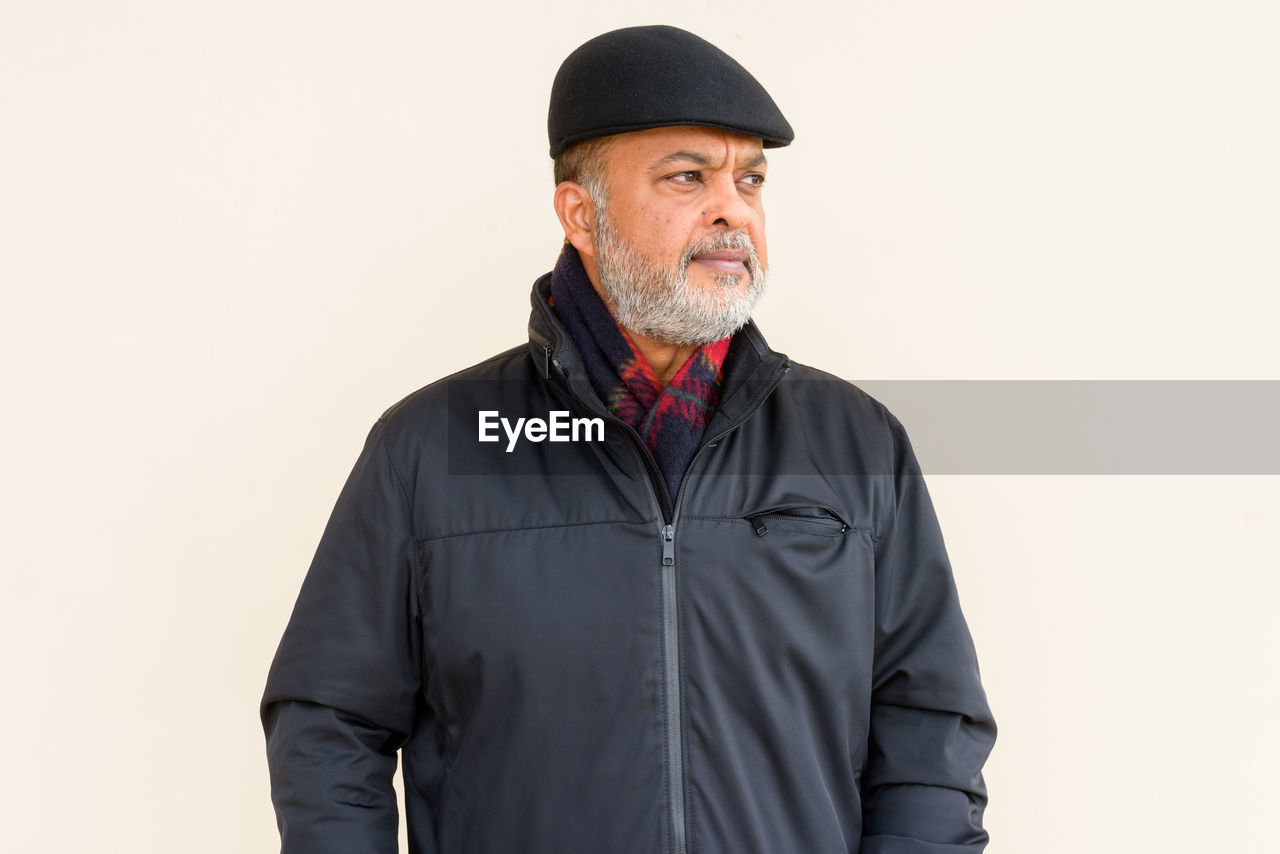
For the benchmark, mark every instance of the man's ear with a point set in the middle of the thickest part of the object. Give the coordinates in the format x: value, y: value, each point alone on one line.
x: 577, y: 212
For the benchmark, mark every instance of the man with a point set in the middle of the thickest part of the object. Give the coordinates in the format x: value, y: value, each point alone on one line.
x: 640, y: 584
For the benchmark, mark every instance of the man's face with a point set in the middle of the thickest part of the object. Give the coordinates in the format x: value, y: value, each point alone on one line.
x: 680, y: 249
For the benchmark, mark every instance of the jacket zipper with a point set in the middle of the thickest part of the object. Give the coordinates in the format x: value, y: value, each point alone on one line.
x: 670, y: 623
x: 671, y: 632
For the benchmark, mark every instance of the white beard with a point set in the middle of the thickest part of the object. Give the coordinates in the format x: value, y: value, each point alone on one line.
x: 658, y: 301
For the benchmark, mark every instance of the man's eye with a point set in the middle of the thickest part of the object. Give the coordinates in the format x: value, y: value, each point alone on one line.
x: 755, y: 179
x: 685, y: 177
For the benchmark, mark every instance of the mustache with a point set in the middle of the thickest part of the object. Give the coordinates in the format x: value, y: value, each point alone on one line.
x: 725, y: 240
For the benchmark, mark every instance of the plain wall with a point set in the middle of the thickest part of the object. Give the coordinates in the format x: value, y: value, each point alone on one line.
x: 232, y: 233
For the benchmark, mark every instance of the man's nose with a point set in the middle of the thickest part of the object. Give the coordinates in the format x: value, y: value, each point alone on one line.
x: 725, y: 205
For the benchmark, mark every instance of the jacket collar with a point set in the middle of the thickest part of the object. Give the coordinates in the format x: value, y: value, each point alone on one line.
x: 751, y: 368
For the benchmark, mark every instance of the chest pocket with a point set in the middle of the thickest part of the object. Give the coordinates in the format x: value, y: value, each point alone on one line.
x: 800, y: 518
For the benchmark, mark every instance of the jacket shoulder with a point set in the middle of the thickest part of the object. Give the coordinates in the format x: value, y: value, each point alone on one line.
x: 511, y: 364
x: 843, y: 400
x: 419, y: 422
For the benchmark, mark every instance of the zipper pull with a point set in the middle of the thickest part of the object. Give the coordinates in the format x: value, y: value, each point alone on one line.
x: 668, y: 545
x: 546, y: 365
x: 757, y: 522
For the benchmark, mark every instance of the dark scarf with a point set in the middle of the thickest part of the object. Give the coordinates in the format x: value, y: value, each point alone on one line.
x: 670, y: 420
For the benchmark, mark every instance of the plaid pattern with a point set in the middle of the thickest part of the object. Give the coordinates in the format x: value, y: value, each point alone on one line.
x: 669, y: 419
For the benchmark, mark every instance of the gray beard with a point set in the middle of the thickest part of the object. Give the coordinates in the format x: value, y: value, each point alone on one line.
x: 658, y: 302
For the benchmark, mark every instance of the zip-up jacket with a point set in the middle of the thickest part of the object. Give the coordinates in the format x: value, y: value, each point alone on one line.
x: 569, y: 659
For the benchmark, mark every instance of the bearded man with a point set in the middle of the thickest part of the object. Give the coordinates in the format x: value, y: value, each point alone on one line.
x: 723, y: 622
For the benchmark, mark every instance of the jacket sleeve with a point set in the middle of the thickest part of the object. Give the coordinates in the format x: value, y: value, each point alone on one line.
x: 931, y: 728
x: 343, y: 693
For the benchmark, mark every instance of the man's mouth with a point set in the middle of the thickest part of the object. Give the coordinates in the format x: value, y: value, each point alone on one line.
x: 724, y: 260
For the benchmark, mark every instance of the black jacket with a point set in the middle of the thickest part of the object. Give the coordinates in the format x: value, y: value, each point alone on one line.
x: 570, y: 660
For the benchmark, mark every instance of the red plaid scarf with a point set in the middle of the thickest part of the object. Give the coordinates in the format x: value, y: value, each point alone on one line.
x: 669, y: 419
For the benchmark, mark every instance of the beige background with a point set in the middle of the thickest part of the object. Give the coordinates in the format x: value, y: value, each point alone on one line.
x: 231, y: 233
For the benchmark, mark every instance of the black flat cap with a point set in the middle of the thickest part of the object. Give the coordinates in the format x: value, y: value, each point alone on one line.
x: 649, y: 77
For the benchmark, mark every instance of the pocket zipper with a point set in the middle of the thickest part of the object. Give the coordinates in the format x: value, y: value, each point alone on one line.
x: 828, y: 520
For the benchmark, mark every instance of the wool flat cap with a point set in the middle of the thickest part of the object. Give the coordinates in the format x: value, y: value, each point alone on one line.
x: 648, y: 77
